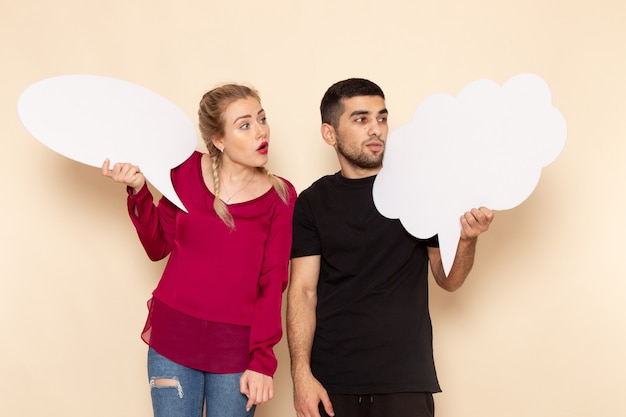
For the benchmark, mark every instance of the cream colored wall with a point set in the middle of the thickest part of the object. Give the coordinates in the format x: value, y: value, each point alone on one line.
x: 538, y: 330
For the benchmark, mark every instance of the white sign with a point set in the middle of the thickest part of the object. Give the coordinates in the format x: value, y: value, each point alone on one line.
x: 89, y: 118
x: 486, y: 147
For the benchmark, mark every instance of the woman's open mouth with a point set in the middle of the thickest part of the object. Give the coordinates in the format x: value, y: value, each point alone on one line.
x: 263, y: 148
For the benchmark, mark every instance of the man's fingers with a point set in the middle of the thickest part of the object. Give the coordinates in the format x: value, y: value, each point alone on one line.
x: 328, y: 406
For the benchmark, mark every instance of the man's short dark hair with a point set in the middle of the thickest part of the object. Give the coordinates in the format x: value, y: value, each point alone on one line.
x: 332, y: 102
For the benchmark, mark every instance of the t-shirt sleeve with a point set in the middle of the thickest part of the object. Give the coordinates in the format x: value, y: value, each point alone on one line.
x: 306, y: 240
x: 432, y: 242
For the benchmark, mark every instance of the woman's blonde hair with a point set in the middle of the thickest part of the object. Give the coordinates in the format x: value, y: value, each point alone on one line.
x: 211, y: 121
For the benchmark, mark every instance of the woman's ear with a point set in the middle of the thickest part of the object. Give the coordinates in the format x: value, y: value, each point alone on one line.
x: 218, y: 143
x: 328, y: 134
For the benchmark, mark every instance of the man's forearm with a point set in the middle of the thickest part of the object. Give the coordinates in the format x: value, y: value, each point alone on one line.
x: 463, y: 263
x: 300, y: 331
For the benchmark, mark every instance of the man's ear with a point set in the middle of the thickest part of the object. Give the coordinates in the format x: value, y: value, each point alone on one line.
x: 328, y: 134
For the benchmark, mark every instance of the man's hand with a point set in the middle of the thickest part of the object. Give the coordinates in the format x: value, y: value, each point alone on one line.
x: 475, y: 222
x: 307, y: 395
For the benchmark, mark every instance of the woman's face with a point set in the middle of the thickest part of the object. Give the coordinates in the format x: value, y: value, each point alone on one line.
x: 246, y: 133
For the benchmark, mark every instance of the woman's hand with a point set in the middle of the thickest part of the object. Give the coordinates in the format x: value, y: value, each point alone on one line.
x: 259, y: 388
x: 124, y: 173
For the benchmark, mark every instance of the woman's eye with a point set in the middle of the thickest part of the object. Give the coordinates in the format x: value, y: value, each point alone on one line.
x: 263, y: 120
x: 245, y: 126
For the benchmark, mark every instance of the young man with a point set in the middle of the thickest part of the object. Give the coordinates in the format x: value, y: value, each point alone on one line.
x: 358, y: 323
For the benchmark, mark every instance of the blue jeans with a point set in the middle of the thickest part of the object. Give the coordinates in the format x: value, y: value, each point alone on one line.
x: 189, y: 390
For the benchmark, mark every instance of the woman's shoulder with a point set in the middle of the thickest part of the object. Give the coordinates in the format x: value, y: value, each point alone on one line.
x: 292, y: 194
x: 193, y: 160
x: 192, y: 164
x: 287, y: 182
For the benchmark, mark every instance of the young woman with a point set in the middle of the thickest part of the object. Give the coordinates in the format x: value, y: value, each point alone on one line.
x: 215, y: 315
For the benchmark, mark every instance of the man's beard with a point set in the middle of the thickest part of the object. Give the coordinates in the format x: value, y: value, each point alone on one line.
x: 357, y: 157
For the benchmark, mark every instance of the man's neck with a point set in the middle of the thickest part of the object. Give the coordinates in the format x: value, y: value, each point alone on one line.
x: 353, y: 172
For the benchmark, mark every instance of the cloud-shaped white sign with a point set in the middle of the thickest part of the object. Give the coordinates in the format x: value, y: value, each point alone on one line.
x: 486, y: 147
x: 89, y: 118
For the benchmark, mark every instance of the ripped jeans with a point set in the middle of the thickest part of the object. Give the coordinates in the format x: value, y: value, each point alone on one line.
x: 179, y: 391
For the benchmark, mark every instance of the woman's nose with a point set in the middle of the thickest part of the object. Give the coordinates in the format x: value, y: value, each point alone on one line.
x: 262, y: 130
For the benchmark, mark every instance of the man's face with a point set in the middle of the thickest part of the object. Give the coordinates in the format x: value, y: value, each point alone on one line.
x: 362, y: 131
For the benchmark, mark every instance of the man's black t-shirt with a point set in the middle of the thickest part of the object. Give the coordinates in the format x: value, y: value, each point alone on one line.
x: 373, y: 331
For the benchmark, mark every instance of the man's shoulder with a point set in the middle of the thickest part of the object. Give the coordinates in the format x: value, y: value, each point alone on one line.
x: 321, y: 183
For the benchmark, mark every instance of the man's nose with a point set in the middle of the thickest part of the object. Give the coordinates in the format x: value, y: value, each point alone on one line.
x: 375, y: 128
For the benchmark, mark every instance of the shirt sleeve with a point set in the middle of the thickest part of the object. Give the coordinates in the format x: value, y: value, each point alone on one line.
x: 433, y: 242
x: 306, y: 241
x: 266, y: 328
x: 154, y: 224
